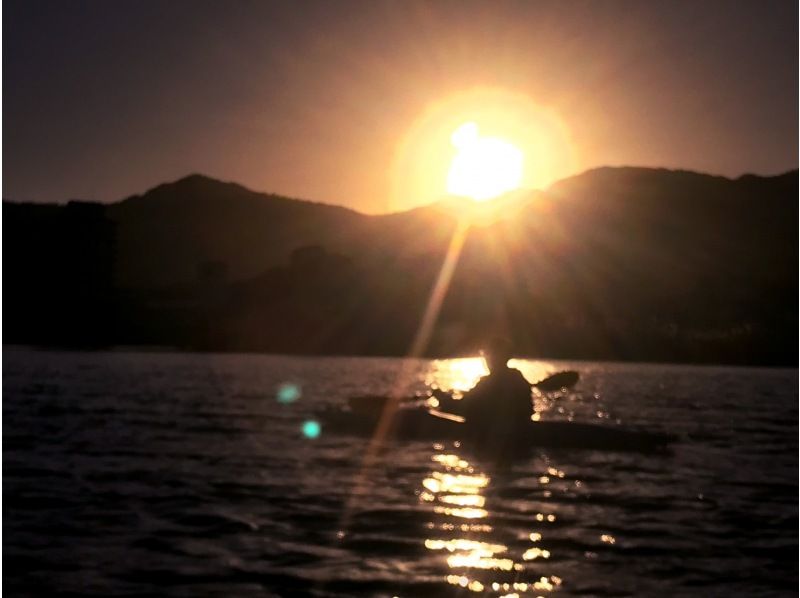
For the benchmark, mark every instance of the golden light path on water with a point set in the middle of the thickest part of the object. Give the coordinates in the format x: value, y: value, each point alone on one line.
x: 463, y: 534
x: 456, y: 489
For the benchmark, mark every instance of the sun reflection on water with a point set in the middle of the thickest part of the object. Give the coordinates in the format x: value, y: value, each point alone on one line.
x: 456, y: 375
x: 466, y: 533
x: 471, y: 549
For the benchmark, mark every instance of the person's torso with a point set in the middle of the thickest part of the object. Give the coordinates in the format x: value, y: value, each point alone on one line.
x: 502, y: 396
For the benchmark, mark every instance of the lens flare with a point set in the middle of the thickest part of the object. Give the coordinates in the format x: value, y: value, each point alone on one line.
x: 288, y: 393
x: 311, y: 429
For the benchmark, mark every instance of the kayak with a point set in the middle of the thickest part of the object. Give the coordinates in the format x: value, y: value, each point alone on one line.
x: 375, y: 404
x: 429, y: 424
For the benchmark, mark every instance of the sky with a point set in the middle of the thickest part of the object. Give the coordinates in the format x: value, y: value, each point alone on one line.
x: 351, y: 102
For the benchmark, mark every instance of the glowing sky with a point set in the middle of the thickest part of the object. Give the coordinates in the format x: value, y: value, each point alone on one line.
x: 320, y: 99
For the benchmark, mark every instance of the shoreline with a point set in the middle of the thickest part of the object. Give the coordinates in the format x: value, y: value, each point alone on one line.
x: 165, y: 349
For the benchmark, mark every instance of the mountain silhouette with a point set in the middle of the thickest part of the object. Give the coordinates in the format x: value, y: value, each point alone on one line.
x: 165, y: 233
x: 623, y: 263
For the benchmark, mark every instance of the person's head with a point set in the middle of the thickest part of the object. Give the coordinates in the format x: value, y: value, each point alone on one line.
x: 497, y: 353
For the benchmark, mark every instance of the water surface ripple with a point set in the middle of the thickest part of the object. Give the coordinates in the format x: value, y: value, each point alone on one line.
x: 183, y: 475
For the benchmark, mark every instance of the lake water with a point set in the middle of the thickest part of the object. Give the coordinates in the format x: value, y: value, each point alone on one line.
x: 183, y: 475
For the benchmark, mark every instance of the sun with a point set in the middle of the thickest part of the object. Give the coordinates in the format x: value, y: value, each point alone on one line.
x: 483, y: 167
x: 479, y: 143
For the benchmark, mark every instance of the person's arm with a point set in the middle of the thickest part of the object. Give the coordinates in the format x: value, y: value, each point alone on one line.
x: 450, y: 405
x: 470, y: 399
x: 525, y: 391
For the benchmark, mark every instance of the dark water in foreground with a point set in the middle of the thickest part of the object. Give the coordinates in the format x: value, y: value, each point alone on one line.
x: 181, y: 475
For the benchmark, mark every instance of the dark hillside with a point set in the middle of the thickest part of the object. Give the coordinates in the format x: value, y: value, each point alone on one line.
x: 616, y: 263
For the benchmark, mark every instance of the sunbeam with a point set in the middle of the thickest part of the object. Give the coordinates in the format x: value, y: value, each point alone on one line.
x: 417, y: 349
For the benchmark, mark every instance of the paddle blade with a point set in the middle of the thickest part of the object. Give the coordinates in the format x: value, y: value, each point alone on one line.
x: 558, y: 381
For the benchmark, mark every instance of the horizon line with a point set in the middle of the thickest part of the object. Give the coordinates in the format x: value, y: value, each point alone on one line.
x: 443, y: 197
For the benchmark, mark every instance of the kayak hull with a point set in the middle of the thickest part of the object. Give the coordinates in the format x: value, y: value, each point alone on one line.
x: 419, y: 424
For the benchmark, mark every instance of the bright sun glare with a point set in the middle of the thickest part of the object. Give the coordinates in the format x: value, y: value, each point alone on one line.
x: 479, y: 143
x: 484, y: 167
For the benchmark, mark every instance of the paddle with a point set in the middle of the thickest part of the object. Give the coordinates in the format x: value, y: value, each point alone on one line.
x: 557, y: 381
x: 566, y: 379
